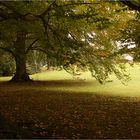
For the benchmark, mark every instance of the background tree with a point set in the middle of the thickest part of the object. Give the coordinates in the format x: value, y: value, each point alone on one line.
x: 7, y: 65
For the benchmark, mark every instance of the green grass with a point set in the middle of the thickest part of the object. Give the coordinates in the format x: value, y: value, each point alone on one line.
x: 60, y: 106
x: 3, y: 79
x: 115, y: 87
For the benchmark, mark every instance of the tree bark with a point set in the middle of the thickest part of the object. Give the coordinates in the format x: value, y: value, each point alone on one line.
x: 20, y: 59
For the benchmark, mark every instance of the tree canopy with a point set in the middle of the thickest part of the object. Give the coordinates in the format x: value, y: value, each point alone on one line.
x: 83, y: 33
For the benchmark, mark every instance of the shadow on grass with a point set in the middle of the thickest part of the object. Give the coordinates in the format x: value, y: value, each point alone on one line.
x: 49, y: 83
x: 62, y: 115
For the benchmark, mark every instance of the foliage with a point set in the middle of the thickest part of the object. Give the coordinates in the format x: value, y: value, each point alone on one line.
x: 62, y: 30
x: 130, y: 34
x: 7, y: 66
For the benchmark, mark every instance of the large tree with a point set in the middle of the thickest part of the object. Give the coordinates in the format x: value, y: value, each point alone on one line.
x: 69, y: 32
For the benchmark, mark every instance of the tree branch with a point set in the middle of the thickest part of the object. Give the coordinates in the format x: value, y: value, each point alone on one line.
x: 15, y: 14
x: 31, y: 46
x: 42, y: 15
x: 79, y: 3
x: 55, y: 34
x: 51, y: 7
x: 29, y: 16
x: 131, y: 5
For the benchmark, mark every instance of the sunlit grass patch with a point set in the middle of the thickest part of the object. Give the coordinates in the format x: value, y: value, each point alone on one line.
x: 2, y: 79
x: 59, y: 81
x: 114, y: 87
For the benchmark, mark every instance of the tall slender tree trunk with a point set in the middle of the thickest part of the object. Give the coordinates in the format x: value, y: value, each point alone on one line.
x: 20, y: 59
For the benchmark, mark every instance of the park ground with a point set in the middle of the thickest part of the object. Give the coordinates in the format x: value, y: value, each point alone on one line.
x: 60, y: 106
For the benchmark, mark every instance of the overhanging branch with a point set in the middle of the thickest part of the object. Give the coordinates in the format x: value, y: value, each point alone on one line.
x: 42, y: 15
x: 75, y: 4
x: 131, y: 5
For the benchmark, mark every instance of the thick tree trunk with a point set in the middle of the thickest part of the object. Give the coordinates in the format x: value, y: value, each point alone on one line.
x: 21, y: 74
x: 20, y: 58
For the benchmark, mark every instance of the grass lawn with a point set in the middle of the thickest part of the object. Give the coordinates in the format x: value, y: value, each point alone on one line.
x: 60, y: 106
